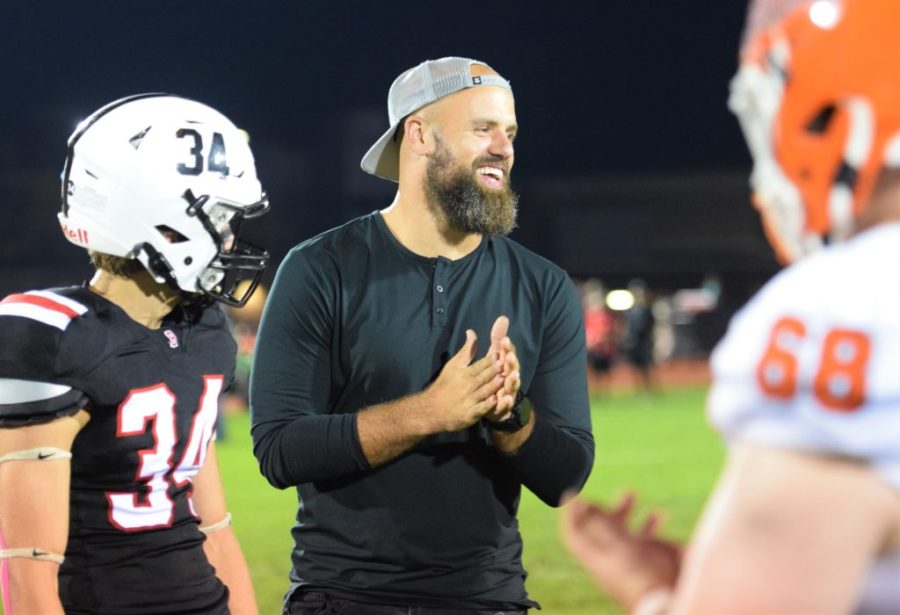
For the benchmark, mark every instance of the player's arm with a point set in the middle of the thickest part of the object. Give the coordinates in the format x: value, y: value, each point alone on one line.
x: 221, y: 545
x: 34, y: 523
x: 804, y: 526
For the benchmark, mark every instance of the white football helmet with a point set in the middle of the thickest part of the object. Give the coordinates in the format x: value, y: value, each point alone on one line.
x: 167, y: 181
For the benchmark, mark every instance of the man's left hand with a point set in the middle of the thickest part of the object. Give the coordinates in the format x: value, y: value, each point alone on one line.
x: 505, y: 351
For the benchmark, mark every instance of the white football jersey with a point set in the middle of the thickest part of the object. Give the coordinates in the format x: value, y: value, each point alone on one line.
x: 812, y: 362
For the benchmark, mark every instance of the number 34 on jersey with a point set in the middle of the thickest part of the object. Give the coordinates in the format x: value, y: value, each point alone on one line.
x: 156, y: 406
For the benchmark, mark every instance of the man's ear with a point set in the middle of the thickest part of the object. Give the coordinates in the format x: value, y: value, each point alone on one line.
x: 415, y: 133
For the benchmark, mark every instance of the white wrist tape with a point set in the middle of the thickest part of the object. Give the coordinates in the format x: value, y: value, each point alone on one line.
x: 41, y: 453
x: 218, y: 525
x: 654, y: 602
x: 32, y: 553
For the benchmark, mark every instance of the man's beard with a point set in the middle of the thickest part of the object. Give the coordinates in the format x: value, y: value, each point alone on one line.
x: 470, y: 207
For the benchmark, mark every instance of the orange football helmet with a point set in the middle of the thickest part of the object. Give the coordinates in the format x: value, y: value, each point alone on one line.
x: 817, y: 94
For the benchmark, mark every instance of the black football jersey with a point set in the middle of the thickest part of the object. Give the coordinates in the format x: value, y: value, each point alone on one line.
x: 134, y: 544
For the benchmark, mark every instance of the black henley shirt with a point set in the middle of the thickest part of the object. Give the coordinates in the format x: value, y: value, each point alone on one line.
x: 355, y: 319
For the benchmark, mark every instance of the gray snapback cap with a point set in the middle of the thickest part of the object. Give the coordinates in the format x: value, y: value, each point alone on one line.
x: 413, y: 89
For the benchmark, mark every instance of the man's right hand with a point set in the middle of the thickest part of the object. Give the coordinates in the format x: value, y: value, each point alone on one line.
x: 464, y: 391
x: 459, y: 397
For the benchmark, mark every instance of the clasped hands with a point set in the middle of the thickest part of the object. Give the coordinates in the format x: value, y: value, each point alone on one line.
x: 468, y: 390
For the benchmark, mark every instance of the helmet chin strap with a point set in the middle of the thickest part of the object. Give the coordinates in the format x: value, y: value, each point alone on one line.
x: 857, y: 151
x: 157, y: 264
x: 162, y: 272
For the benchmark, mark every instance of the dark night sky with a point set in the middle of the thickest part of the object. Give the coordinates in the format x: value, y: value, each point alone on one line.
x: 602, y: 88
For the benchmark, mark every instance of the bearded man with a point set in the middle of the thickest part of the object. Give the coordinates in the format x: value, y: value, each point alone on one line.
x: 407, y: 450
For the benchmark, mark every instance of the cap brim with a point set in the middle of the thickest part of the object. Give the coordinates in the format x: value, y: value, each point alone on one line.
x: 383, y: 158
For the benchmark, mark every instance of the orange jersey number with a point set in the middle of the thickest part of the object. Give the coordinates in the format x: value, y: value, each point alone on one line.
x: 840, y: 379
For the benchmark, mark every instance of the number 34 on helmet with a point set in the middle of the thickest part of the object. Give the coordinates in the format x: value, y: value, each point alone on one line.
x: 167, y: 181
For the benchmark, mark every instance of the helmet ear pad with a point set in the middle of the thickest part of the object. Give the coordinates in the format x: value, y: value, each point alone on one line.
x: 165, y: 180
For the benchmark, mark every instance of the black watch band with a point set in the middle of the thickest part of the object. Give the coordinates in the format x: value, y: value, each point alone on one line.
x: 518, y: 418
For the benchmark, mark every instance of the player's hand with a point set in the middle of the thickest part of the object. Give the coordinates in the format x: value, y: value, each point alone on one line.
x: 626, y: 563
x: 464, y: 391
x: 505, y: 351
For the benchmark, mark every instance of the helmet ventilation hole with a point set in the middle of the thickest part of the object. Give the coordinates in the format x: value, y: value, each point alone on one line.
x: 171, y: 235
x: 819, y: 124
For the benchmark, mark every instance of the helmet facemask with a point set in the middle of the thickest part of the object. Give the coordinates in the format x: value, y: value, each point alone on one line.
x: 237, y: 259
x: 757, y: 92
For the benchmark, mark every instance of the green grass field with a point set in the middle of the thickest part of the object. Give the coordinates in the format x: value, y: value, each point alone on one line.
x: 662, y: 447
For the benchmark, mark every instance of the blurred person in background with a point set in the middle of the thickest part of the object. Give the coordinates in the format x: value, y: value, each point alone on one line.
x: 109, y: 390
x: 244, y: 327
x: 806, y: 515
x: 600, y: 329
x: 638, y: 341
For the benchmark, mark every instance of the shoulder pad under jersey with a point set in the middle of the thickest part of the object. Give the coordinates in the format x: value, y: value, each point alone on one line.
x: 31, y: 327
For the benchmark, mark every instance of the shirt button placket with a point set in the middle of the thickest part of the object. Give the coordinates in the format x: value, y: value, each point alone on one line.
x: 439, y: 294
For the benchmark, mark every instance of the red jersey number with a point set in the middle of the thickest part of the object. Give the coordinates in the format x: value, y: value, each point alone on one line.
x: 840, y: 380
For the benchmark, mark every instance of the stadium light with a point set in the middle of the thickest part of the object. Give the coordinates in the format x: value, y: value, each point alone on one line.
x: 619, y: 300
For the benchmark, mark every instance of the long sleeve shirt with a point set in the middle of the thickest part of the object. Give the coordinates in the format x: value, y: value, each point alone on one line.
x: 354, y: 319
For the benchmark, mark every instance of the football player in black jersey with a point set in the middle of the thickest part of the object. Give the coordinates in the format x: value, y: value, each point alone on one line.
x: 111, y: 498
